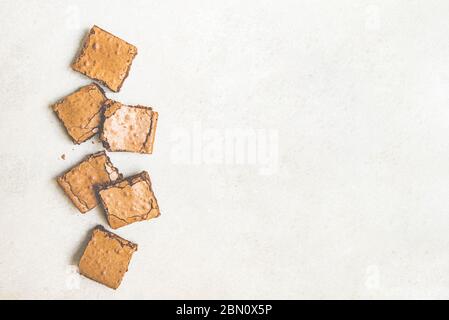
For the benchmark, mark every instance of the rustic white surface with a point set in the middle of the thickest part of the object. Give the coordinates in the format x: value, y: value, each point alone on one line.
x: 349, y: 198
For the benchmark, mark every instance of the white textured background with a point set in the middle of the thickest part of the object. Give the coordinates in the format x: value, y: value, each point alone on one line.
x: 356, y: 91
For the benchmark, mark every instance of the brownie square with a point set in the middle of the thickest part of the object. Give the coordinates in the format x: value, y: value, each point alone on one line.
x: 128, y: 128
x: 105, y: 58
x: 106, y: 257
x: 80, y: 112
x: 79, y: 182
x: 129, y: 200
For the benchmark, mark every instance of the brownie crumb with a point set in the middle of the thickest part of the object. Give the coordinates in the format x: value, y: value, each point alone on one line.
x: 63, y: 156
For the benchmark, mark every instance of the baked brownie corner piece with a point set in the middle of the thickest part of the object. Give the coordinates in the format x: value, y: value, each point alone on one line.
x: 105, y: 58
x: 79, y: 182
x: 129, y: 200
x: 79, y: 112
x: 128, y: 128
x: 106, y: 257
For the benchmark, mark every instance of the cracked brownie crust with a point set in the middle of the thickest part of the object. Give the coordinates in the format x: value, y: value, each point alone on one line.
x: 105, y: 58
x: 79, y: 182
x: 129, y: 200
x: 128, y: 128
x: 106, y: 257
x: 80, y: 112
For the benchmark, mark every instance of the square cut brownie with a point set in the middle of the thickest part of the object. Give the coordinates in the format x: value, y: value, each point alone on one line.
x: 105, y: 58
x: 129, y: 200
x: 106, y: 257
x: 79, y: 182
x: 80, y: 112
x: 128, y: 128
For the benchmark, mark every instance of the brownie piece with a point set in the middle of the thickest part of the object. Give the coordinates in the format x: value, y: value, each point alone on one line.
x: 106, y: 257
x: 105, y: 58
x: 79, y: 182
x: 129, y: 200
x: 128, y: 128
x: 80, y: 112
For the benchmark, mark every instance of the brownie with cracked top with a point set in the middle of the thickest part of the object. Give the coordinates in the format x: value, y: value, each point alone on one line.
x: 80, y: 112
x: 105, y: 58
x: 106, y: 257
x: 128, y: 128
x: 79, y: 182
x: 129, y: 200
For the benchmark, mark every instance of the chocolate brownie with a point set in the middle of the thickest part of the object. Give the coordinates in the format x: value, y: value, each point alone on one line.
x: 79, y: 182
x: 106, y: 257
x: 128, y: 128
x: 80, y: 112
x: 105, y: 58
x: 129, y: 200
